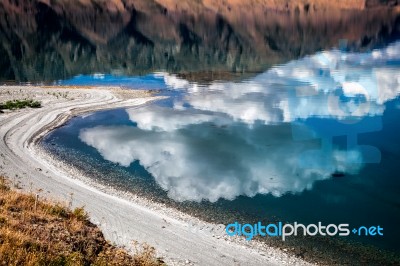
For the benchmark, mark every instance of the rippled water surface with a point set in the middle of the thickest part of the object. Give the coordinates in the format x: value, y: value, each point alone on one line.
x: 315, y: 139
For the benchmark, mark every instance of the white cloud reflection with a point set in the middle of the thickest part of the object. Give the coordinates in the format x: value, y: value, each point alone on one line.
x: 233, y: 138
x: 304, y: 88
x: 210, y: 162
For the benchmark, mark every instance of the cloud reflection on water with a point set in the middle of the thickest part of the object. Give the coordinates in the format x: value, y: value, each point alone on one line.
x: 231, y: 139
x: 205, y: 161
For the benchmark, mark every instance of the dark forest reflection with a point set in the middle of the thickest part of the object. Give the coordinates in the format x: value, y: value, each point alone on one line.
x: 60, y: 39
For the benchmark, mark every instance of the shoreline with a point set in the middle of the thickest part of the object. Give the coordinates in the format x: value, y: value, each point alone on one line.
x: 137, y: 219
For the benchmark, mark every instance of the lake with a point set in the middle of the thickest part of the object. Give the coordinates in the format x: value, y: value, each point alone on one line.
x: 314, y: 139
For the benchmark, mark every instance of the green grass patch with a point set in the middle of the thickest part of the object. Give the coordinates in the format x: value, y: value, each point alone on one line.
x: 19, y: 104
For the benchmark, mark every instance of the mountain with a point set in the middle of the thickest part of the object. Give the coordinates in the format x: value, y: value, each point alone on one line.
x: 45, y: 40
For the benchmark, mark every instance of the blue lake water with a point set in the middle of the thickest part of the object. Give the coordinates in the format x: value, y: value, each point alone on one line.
x: 148, y: 82
x: 316, y: 139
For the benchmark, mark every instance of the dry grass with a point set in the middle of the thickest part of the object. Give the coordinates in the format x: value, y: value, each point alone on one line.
x: 44, y: 233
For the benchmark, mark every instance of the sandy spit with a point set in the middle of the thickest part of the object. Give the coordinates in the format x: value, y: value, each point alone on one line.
x: 122, y: 218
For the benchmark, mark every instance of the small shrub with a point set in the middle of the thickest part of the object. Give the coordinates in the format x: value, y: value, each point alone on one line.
x: 3, y: 184
x: 59, y: 211
x: 80, y: 214
x: 146, y: 255
x: 35, y: 104
x: 3, y: 220
x: 75, y: 258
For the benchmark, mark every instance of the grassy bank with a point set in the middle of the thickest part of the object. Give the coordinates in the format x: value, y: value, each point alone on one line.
x: 35, y: 232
